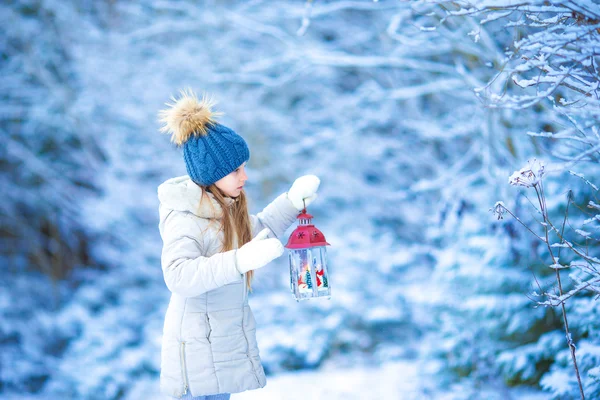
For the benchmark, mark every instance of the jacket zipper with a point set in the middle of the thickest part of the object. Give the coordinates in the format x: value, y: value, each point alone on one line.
x: 245, y: 334
x: 245, y: 289
x: 183, y: 369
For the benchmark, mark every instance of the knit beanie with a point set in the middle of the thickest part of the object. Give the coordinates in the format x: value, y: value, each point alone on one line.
x: 211, y: 150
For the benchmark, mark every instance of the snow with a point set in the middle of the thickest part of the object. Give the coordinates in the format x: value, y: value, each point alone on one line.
x: 402, y: 380
x: 582, y: 232
x: 528, y: 176
x: 394, y: 379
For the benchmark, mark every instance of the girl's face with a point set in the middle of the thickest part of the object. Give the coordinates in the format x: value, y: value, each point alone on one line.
x: 233, y: 183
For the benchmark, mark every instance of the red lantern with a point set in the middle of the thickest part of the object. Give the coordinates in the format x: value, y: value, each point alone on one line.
x: 309, y: 276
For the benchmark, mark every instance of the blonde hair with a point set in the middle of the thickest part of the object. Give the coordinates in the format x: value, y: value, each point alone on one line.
x: 235, y: 222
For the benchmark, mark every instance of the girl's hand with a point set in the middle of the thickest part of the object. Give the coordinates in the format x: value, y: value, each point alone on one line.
x: 258, y: 252
x: 303, y: 191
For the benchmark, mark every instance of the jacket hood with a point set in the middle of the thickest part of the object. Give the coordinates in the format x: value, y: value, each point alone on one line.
x: 182, y: 194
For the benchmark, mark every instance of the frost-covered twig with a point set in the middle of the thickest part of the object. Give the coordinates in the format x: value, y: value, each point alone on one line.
x: 555, y: 301
x: 531, y: 176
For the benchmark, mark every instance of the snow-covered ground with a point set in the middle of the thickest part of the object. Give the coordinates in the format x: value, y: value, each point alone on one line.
x: 395, y: 380
x: 400, y: 380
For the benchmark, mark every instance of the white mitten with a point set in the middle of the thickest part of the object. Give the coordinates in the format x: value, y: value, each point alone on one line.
x: 303, y: 191
x: 258, y: 252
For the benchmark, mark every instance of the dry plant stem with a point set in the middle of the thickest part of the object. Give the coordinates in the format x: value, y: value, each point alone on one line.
x: 570, y: 342
x: 591, y: 261
x: 584, y: 256
x: 539, y: 190
x: 522, y: 223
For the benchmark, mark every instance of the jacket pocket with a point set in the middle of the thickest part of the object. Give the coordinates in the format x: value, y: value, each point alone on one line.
x: 183, y: 368
x: 208, y: 328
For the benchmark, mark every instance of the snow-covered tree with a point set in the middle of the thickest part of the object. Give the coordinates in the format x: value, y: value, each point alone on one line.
x: 549, y: 74
x: 50, y: 157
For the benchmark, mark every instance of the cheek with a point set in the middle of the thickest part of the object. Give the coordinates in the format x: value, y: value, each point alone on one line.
x: 232, y: 181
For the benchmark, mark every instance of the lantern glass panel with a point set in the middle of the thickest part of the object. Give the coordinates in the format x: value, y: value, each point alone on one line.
x: 293, y: 271
x: 308, y: 273
x: 321, y: 271
x: 301, y: 274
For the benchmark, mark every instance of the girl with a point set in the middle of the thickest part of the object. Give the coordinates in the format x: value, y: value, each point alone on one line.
x: 209, y: 347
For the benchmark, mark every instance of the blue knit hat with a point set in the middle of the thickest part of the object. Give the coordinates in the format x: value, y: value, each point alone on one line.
x: 211, y: 151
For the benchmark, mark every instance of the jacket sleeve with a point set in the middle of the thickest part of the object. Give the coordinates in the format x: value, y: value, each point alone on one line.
x: 186, y: 270
x: 277, y: 216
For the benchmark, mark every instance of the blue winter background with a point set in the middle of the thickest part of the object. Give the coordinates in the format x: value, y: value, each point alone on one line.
x: 413, y: 114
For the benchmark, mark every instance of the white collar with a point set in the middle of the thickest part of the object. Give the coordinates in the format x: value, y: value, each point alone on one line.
x: 183, y: 194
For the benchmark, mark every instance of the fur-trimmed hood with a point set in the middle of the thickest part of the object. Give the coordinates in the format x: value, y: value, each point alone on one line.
x: 182, y: 194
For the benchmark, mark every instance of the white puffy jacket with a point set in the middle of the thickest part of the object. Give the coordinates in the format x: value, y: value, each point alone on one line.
x: 209, y: 336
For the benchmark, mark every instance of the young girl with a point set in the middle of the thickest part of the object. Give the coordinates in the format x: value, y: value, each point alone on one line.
x: 209, y: 347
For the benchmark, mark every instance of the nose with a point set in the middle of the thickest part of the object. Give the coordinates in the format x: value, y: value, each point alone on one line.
x: 244, y: 176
